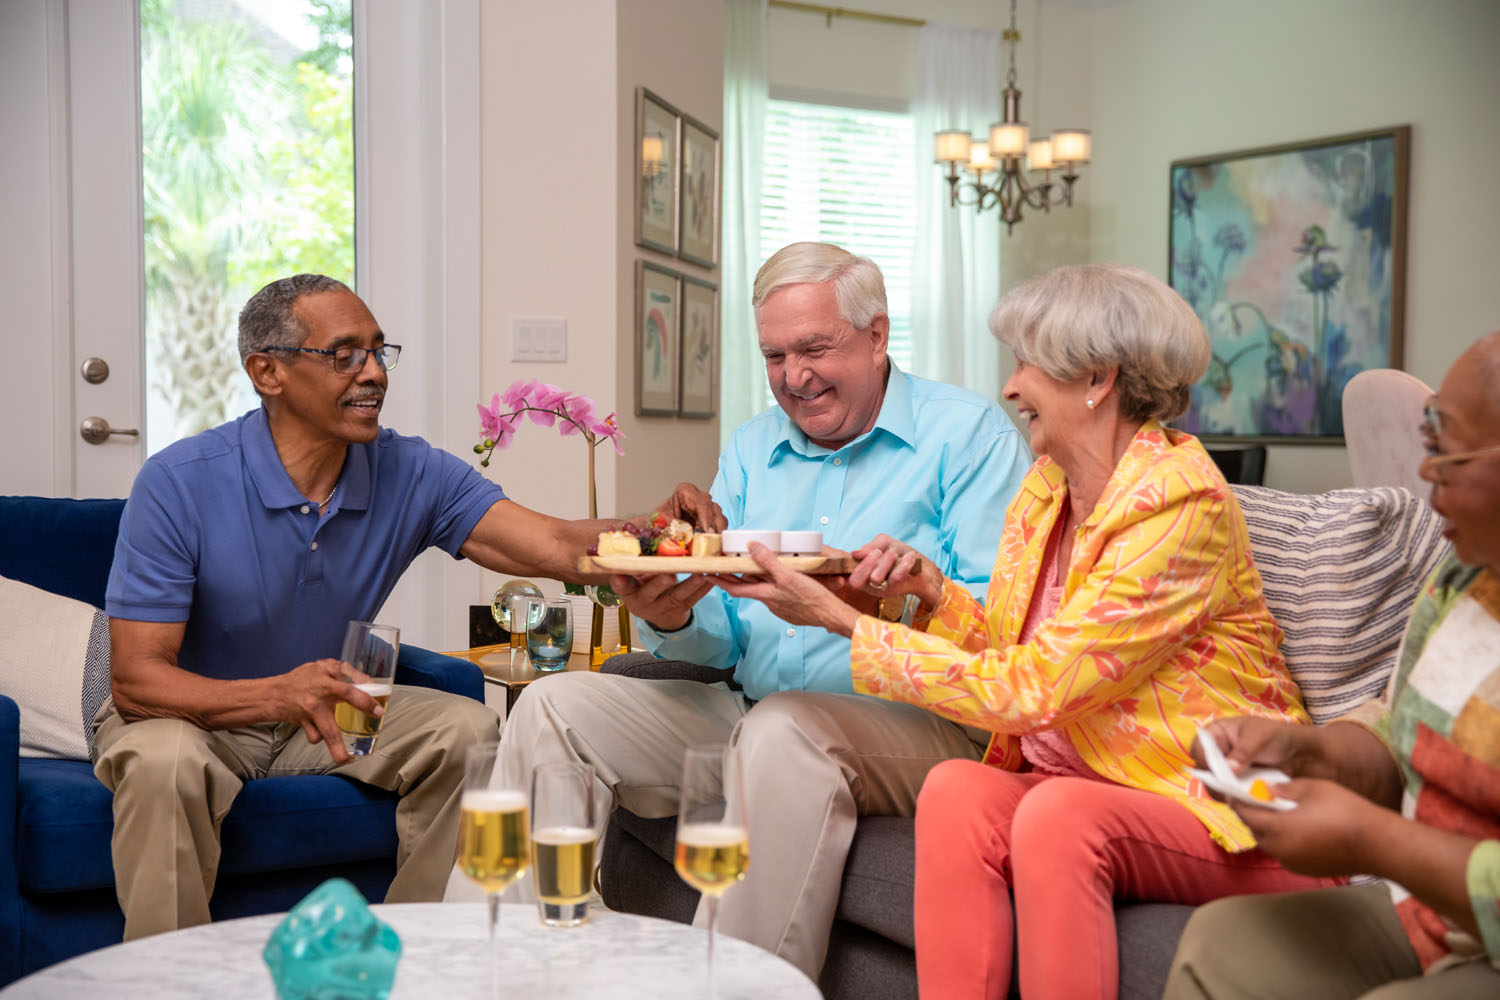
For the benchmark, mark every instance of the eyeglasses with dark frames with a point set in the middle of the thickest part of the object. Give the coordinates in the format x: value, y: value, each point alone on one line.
x: 1432, y: 429
x: 348, y: 360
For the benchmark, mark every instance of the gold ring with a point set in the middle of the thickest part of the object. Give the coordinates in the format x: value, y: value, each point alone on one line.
x: 881, y: 586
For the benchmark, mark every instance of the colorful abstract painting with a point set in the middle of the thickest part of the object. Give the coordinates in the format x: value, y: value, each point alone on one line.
x: 1294, y: 259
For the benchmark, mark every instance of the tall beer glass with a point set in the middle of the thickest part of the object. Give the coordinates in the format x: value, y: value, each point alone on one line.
x: 564, y: 812
x: 369, y: 659
x: 713, y: 839
x: 493, y: 834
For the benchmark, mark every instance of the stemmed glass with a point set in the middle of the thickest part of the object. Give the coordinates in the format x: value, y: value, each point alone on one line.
x: 564, y: 813
x: 713, y: 839
x: 494, y: 839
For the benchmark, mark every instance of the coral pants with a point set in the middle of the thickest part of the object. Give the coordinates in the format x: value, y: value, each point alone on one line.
x: 1065, y: 849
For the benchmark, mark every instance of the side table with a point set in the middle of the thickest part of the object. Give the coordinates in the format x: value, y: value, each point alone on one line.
x: 494, y: 663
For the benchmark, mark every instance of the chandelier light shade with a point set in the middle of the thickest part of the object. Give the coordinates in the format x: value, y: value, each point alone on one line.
x: 999, y: 178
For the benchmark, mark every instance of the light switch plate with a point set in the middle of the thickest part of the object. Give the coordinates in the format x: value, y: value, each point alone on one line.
x: 538, y: 338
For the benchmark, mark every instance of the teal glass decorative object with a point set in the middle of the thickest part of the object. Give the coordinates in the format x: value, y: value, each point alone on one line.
x: 331, y: 947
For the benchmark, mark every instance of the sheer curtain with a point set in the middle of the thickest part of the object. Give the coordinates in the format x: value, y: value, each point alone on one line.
x: 742, y: 373
x: 956, y: 261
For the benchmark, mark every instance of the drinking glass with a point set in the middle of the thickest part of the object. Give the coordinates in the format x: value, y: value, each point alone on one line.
x: 369, y: 663
x: 713, y: 839
x: 549, y: 634
x: 563, y: 814
x: 493, y: 833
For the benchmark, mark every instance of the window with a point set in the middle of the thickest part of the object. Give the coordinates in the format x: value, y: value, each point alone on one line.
x: 844, y: 175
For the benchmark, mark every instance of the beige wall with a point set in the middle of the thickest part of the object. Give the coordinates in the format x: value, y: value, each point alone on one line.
x: 1179, y: 78
x: 661, y: 450
x: 1158, y: 80
x: 558, y: 98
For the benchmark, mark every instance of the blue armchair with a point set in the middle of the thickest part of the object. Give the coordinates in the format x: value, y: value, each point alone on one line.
x: 282, y: 837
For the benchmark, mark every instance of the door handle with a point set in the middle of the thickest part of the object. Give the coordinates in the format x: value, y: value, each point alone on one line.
x: 96, y: 430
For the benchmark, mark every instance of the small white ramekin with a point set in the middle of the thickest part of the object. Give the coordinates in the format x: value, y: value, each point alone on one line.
x: 802, y: 543
x: 738, y: 542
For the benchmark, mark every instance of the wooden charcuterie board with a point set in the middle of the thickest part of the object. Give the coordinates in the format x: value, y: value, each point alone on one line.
x: 740, y: 565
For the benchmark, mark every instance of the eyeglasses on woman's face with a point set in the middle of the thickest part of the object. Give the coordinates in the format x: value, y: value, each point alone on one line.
x: 1432, y: 429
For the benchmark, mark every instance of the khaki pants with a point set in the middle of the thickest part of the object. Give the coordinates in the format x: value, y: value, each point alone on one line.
x: 173, y: 783
x: 1328, y: 944
x: 812, y: 764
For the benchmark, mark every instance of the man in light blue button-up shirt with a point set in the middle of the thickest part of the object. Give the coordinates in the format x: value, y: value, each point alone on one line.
x: 855, y: 448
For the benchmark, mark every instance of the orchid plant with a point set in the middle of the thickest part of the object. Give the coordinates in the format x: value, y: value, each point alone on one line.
x: 547, y: 405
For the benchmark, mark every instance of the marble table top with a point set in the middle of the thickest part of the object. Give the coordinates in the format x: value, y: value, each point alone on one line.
x: 614, y: 955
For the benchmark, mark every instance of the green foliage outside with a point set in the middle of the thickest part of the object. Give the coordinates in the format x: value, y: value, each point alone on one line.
x: 248, y: 163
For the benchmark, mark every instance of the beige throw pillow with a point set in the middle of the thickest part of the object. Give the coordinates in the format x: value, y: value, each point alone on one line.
x: 54, y: 661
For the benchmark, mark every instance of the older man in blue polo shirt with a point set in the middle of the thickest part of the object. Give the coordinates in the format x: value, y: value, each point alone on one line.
x: 856, y: 448
x: 243, y: 554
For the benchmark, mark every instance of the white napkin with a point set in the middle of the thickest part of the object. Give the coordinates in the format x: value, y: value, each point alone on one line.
x: 1221, y: 778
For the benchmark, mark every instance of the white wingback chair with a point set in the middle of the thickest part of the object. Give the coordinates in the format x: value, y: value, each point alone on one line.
x: 1382, y: 413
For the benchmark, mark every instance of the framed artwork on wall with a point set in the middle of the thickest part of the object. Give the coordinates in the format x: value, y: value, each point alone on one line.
x: 658, y: 301
x: 657, y: 134
x: 1294, y: 258
x: 700, y: 348
x: 699, y: 194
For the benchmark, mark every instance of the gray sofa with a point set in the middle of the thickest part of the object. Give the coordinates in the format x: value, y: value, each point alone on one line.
x: 1340, y: 569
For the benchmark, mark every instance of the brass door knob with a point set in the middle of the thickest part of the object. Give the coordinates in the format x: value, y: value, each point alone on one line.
x: 96, y: 430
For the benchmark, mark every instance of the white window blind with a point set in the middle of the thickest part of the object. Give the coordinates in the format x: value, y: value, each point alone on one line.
x: 844, y: 175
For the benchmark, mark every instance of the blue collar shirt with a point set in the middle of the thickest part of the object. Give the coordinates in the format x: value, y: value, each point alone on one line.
x: 215, y: 535
x: 937, y: 471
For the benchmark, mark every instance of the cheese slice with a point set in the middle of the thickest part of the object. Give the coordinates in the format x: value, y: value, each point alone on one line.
x: 618, y: 543
x: 707, y: 545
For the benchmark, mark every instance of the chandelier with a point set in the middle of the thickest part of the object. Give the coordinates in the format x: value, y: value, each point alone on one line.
x: 998, y: 179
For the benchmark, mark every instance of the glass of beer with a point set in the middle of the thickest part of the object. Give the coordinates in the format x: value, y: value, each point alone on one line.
x: 369, y: 659
x: 713, y: 839
x: 549, y: 634
x: 493, y: 833
x: 563, y: 818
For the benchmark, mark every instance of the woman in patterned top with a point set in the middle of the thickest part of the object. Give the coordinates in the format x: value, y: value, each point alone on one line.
x: 1410, y: 791
x: 1123, y: 612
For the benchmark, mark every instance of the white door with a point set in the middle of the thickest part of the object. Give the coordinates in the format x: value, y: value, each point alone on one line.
x: 71, y: 245
x: 72, y: 259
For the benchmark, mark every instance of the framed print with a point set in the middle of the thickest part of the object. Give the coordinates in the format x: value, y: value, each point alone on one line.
x: 700, y: 349
x: 1294, y: 258
x: 658, y: 298
x: 699, y: 194
x: 657, y: 139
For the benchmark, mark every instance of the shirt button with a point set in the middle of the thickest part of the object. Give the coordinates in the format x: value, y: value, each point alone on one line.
x: 822, y: 520
x: 838, y: 461
x: 315, y: 546
x: 306, y: 509
x: 791, y: 633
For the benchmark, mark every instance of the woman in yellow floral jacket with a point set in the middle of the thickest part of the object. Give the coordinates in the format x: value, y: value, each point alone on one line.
x: 1124, y: 611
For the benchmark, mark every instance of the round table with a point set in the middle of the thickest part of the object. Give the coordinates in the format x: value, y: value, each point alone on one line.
x: 615, y: 955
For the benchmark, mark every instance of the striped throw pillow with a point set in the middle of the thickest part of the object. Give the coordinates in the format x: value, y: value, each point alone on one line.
x: 1341, y: 572
x: 54, y: 661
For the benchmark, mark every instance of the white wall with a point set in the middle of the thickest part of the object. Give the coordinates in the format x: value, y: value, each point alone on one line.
x: 1158, y: 80
x: 1179, y: 78
x: 558, y: 96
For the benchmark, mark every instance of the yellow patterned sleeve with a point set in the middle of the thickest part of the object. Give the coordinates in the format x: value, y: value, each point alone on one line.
x: 1144, y: 599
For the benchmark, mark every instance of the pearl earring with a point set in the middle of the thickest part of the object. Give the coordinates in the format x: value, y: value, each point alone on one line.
x: 1089, y: 403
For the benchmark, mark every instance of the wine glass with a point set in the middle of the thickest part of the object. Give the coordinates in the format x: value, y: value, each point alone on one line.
x: 494, y: 846
x: 564, y: 809
x: 713, y: 839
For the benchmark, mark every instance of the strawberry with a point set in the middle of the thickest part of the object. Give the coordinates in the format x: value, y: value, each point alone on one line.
x: 667, y: 547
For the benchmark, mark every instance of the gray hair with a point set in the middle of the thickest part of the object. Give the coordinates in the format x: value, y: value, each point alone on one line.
x: 857, y: 282
x: 1073, y: 321
x: 269, y: 318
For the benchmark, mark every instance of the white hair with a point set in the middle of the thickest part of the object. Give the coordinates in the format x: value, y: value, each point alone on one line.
x: 1074, y: 321
x: 857, y: 282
